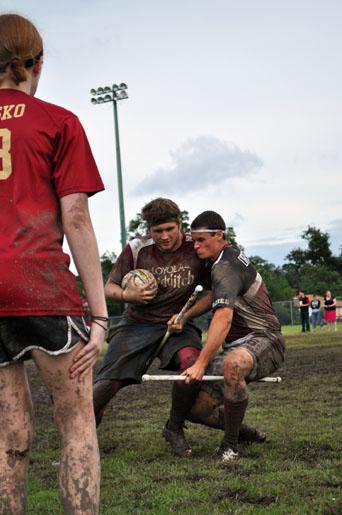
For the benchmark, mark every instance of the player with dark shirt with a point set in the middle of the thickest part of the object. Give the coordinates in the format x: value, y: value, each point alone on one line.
x: 170, y: 256
x: 244, y: 320
x: 304, y: 303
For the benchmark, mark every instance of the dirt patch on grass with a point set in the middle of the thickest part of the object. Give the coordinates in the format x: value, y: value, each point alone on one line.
x: 317, y: 362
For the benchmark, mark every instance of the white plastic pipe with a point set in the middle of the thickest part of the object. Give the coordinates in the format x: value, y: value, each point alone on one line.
x: 148, y: 377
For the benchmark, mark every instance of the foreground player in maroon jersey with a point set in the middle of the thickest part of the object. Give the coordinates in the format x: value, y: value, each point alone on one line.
x: 244, y: 320
x: 47, y: 171
x: 170, y: 256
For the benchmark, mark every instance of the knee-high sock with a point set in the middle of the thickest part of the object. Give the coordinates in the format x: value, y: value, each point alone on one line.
x: 234, y: 413
x: 183, y: 398
x: 183, y: 395
x: 103, y: 392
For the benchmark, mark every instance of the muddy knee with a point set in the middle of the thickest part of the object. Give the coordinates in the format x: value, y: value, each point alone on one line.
x: 238, y: 364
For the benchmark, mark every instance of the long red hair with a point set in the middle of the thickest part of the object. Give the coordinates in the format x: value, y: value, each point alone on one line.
x: 20, y: 47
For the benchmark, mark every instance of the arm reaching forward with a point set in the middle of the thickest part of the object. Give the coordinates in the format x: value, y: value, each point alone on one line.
x: 218, y: 330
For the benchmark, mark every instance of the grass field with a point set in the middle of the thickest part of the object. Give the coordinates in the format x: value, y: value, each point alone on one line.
x: 297, y: 471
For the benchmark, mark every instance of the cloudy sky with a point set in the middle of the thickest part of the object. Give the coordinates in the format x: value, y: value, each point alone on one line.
x: 233, y: 106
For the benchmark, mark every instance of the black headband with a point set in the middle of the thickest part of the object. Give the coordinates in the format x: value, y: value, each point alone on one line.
x: 164, y: 220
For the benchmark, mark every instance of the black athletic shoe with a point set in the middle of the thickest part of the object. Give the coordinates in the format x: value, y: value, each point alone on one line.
x: 176, y: 439
x: 251, y: 435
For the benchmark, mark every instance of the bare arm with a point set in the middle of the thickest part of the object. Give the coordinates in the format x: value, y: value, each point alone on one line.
x: 137, y: 294
x: 201, y: 306
x: 81, y: 238
x: 218, y: 330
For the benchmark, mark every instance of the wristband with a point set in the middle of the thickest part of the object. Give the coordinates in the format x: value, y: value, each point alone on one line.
x: 98, y: 323
x: 103, y: 319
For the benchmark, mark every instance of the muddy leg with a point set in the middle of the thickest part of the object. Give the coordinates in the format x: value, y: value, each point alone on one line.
x: 79, y: 474
x: 205, y: 411
x: 16, y: 437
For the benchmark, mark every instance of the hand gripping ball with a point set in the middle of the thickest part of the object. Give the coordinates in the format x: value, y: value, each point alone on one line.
x: 139, y: 277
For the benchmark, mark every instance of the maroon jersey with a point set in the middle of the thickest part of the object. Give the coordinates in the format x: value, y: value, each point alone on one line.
x: 237, y: 285
x: 177, y: 274
x: 44, y: 155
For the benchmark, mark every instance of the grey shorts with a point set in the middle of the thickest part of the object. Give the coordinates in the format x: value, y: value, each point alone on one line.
x: 51, y: 334
x: 132, y: 345
x: 267, y: 350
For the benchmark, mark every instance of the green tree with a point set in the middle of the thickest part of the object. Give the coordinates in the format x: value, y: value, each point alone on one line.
x: 274, y: 278
x: 185, y: 221
x: 232, y: 238
x: 318, y: 251
x: 108, y: 259
x: 315, y: 269
x: 136, y: 227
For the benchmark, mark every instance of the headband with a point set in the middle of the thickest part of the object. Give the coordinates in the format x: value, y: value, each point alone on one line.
x: 164, y: 220
x: 205, y: 230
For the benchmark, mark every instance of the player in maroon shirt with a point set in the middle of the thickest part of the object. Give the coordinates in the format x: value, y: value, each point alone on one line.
x: 244, y: 320
x: 170, y: 256
x: 47, y: 172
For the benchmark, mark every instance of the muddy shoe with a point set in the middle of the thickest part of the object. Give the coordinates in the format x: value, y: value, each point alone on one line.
x: 177, y: 441
x: 251, y: 435
x: 225, y: 454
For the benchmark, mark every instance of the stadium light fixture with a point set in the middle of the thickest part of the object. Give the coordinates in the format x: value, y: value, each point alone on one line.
x: 103, y: 95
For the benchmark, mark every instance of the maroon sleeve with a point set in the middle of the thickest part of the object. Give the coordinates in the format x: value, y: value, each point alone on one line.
x: 74, y: 167
x: 122, y: 266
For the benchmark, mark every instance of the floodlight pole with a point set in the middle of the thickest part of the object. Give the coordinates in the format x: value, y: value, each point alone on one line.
x: 119, y: 175
x: 113, y: 94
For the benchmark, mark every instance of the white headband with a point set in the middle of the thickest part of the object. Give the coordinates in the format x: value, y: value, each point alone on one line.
x: 205, y: 230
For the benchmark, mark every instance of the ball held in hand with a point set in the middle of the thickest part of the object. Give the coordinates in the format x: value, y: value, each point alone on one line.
x: 138, y: 278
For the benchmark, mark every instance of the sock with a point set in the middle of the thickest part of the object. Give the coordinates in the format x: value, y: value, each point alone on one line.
x: 103, y: 392
x: 183, y: 398
x: 233, y: 417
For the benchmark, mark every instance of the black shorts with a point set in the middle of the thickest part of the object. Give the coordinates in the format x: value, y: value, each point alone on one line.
x: 132, y: 345
x: 267, y: 350
x: 51, y: 334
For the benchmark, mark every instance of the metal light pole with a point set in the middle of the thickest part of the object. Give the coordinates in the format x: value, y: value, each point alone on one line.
x: 113, y: 94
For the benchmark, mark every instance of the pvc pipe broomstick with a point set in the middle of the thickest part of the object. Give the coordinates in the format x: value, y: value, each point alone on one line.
x: 148, y: 377
x: 181, y: 314
x: 178, y: 319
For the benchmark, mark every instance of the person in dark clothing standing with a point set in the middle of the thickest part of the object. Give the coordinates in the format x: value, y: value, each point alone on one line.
x: 304, y: 303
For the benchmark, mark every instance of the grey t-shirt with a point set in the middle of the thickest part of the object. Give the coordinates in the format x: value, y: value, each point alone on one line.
x: 237, y: 285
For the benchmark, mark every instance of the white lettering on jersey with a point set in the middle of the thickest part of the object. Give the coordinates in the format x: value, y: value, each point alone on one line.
x: 244, y: 260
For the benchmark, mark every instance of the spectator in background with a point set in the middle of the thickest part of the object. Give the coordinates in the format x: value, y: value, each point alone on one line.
x: 304, y: 303
x: 315, y: 305
x: 330, y: 310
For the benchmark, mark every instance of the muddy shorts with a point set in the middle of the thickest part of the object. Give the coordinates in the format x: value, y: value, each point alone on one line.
x: 132, y: 345
x: 51, y: 334
x: 267, y: 350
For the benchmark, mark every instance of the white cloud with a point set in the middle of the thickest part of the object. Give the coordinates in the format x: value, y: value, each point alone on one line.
x: 201, y: 162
